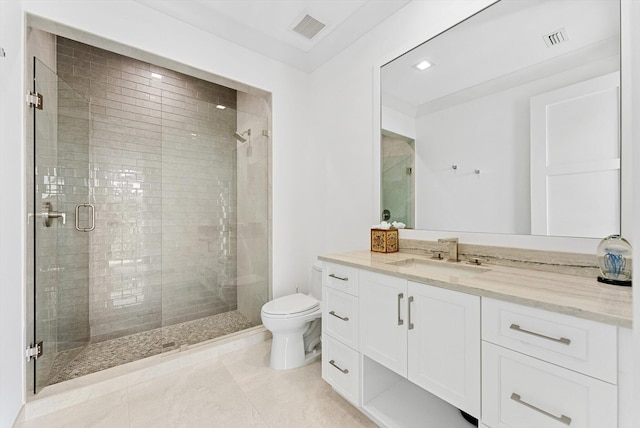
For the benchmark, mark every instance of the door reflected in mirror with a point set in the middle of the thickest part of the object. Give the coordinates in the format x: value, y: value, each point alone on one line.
x: 514, y: 128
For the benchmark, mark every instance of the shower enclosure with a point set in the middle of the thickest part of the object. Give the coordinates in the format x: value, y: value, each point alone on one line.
x: 398, y: 179
x: 149, y: 219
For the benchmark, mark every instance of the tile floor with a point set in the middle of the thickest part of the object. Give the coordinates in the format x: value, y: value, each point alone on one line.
x: 111, y: 353
x: 237, y: 389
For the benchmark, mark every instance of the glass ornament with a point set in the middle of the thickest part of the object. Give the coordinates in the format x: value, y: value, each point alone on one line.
x: 614, y: 258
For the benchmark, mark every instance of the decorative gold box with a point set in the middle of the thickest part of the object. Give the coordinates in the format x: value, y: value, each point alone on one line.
x: 384, y: 240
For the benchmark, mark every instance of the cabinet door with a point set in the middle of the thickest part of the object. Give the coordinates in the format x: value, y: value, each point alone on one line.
x: 383, y: 326
x: 444, y: 344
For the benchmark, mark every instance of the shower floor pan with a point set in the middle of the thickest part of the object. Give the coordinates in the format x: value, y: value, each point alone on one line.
x: 111, y: 353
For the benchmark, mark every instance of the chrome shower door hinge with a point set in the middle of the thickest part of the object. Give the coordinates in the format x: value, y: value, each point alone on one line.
x: 34, y: 352
x: 34, y: 99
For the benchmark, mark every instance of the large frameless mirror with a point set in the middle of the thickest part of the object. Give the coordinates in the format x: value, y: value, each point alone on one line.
x: 508, y: 123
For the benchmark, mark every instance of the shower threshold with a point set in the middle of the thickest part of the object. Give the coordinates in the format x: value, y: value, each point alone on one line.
x: 103, y: 355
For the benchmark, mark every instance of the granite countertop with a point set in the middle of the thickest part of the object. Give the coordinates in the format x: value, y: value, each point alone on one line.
x: 563, y: 293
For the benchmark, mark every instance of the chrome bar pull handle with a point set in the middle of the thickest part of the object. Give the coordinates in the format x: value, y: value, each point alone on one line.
x: 400, y: 297
x: 562, y: 418
x: 338, y: 277
x: 409, y: 310
x: 92, y: 217
x: 333, y: 363
x: 338, y: 316
x: 562, y: 340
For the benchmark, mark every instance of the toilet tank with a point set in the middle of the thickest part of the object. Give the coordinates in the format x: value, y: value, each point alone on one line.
x: 315, y: 286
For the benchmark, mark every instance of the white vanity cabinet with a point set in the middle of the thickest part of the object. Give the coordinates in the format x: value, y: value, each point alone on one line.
x: 524, y: 392
x: 429, y: 335
x: 444, y: 344
x: 383, y: 327
x: 411, y: 354
x: 341, y: 359
x: 546, y: 369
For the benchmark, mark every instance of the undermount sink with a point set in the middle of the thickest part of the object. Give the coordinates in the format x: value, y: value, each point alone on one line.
x: 440, y: 267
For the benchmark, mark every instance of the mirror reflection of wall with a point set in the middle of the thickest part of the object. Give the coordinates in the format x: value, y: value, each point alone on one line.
x: 473, y: 108
x: 398, y: 182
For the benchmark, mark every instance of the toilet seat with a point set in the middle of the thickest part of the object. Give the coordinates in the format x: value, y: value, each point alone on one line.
x: 293, y: 305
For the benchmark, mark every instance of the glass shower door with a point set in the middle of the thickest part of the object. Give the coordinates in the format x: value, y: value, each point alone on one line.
x: 398, y: 199
x: 59, y: 258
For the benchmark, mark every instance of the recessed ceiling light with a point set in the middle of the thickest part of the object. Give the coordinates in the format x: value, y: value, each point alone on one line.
x: 221, y: 107
x: 156, y: 75
x: 422, y: 65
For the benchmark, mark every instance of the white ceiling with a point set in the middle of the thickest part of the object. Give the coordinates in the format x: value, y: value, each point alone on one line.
x: 265, y: 26
x: 508, y: 48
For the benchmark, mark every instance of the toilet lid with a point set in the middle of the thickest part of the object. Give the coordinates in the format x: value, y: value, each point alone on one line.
x: 291, y: 304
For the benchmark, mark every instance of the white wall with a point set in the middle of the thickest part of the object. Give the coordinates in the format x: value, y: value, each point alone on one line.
x: 344, y: 92
x: 631, y: 157
x: 12, y: 207
x: 494, y: 139
x: 492, y: 201
x: 398, y: 122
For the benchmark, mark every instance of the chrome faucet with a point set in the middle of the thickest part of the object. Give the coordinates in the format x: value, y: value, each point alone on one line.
x: 453, y: 248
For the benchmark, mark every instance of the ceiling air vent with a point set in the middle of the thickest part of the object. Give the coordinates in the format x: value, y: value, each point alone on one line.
x: 555, y: 38
x: 309, y: 27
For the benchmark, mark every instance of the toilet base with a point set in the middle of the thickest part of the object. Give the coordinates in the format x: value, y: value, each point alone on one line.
x: 288, y: 351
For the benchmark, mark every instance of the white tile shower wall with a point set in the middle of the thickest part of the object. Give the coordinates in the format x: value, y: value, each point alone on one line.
x: 161, y: 179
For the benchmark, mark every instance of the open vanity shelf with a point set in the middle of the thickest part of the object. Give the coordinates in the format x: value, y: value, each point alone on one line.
x: 391, y: 400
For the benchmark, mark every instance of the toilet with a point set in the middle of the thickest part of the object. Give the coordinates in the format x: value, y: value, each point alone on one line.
x: 294, y: 322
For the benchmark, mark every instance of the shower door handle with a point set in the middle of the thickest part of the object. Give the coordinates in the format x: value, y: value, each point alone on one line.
x: 47, y: 215
x: 93, y: 218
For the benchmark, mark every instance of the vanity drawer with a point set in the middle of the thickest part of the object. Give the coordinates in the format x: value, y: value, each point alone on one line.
x: 340, y: 316
x: 339, y: 277
x: 522, y: 392
x: 341, y: 368
x: 585, y: 346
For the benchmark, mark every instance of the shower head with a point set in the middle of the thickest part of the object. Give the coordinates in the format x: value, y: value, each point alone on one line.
x: 240, y: 135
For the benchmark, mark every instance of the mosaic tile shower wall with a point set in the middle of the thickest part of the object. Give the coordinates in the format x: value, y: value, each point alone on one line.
x: 161, y: 174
